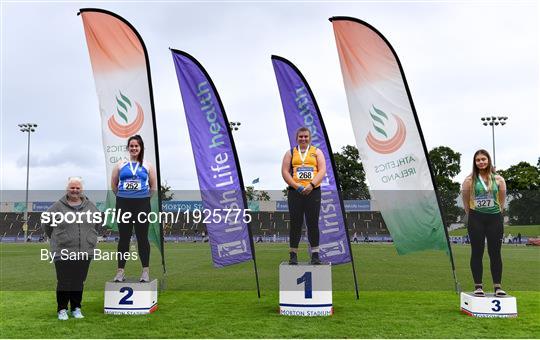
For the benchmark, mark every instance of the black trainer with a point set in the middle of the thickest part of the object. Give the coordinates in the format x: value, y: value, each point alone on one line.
x: 293, y: 258
x: 315, y: 258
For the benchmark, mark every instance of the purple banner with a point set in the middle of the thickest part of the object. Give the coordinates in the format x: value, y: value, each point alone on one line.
x: 218, y: 171
x: 301, y: 109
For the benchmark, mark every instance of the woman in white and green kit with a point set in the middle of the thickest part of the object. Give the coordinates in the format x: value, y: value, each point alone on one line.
x: 484, y: 193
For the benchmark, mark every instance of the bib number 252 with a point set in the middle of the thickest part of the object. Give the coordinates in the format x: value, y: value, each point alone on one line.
x: 132, y: 185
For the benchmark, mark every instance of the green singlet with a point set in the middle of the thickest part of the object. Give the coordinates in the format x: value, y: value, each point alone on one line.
x: 484, y: 200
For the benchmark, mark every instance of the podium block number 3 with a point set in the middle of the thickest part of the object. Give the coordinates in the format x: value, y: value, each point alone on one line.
x: 125, y: 300
x: 306, y: 279
x: 497, y: 304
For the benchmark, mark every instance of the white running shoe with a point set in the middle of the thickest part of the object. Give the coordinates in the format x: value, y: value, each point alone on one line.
x: 479, y: 292
x: 120, y: 277
x: 145, y: 276
x: 499, y: 292
x: 77, y: 313
x: 63, y: 315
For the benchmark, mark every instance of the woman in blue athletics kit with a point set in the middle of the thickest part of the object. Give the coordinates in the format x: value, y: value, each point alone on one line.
x: 134, y: 182
x: 484, y: 193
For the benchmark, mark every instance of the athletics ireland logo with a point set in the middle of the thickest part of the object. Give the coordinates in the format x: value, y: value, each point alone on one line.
x: 386, y: 144
x: 123, y: 108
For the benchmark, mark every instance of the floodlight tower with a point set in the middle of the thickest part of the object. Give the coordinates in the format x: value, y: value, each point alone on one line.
x: 494, y: 121
x: 234, y: 126
x: 29, y: 128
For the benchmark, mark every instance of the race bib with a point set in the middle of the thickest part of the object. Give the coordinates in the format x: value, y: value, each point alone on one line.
x: 132, y: 185
x: 305, y: 173
x: 485, y: 201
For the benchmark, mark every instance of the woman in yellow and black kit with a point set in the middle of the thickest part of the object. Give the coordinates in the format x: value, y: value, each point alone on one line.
x: 303, y: 169
x: 484, y: 193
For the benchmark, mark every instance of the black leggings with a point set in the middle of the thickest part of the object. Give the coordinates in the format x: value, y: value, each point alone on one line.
x: 135, y: 206
x: 484, y: 226
x: 70, y: 276
x: 310, y: 206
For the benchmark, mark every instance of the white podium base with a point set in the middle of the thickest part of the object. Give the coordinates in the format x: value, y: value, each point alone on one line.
x: 305, y: 290
x: 489, y: 306
x: 131, y: 297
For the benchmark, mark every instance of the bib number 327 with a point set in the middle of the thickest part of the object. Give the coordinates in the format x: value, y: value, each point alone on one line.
x: 484, y: 202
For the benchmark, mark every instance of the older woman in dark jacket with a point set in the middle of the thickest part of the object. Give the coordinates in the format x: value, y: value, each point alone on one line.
x: 72, y: 245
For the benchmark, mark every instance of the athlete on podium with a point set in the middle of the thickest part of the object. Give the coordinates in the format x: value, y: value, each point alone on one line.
x: 303, y: 169
x: 134, y: 182
x: 484, y: 193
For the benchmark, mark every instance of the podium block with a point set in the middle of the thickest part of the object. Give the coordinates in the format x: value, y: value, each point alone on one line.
x: 131, y: 297
x: 305, y: 289
x: 489, y: 306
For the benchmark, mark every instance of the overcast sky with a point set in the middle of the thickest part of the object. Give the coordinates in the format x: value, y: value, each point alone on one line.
x: 462, y: 60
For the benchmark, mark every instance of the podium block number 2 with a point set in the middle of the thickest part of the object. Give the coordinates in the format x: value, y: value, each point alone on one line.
x: 306, y: 279
x: 125, y: 300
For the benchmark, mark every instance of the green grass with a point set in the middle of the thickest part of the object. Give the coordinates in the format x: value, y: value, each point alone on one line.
x: 400, y: 297
x: 525, y: 230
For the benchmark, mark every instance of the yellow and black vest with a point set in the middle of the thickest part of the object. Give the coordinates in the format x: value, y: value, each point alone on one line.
x: 304, y: 172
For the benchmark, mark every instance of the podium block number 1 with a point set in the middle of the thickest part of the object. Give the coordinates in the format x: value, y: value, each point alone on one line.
x: 306, y: 279
x: 125, y: 300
